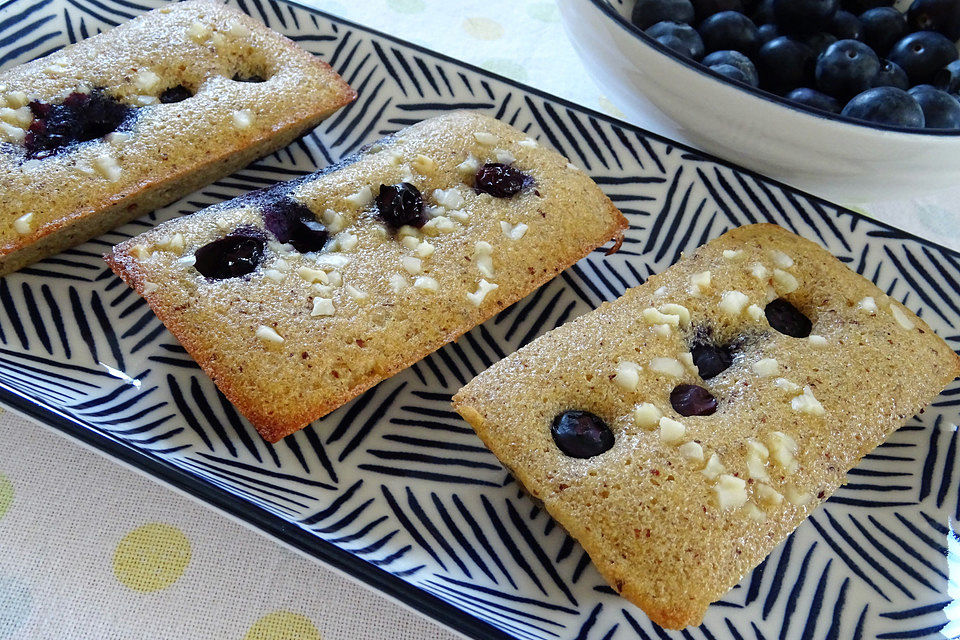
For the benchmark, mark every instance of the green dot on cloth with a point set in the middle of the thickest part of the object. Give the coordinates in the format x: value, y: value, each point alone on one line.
x: 6, y: 494
x: 506, y: 67
x: 483, y: 28
x: 151, y: 557
x: 543, y: 11
x: 283, y: 625
x: 14, y: 605
x: 406, y: 6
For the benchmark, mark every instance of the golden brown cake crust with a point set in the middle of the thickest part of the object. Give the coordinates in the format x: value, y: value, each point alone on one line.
x: 386, y: 299
x: 647, y: 511
x: 172, y: 148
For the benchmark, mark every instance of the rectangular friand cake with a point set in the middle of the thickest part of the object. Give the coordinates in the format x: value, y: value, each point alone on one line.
x: 682, y: 431
x: 297, y: 299
x: 129, y: 120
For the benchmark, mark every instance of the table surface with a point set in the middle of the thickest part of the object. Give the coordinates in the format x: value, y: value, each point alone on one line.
x: 134, y: 559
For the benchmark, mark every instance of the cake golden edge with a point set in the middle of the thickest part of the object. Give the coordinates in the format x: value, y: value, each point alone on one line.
x: 468, y: 400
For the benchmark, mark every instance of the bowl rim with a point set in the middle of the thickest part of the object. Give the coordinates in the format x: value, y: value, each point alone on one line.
x: 605, y: 6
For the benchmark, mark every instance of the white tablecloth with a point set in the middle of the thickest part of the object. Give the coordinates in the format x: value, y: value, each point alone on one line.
x: 91, y: 550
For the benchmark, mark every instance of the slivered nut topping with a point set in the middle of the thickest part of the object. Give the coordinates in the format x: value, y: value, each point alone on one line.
x: 513, y: 231
x: 686, y: 358
x: 528, y: 143
x: 106, y: 166
x: 784, y: 281
x: 678, y: 310
x: 198, y: 32
x: 755, y: 312
x: 313, y: 275
x: 449, y: 198
x: 817, y: 341
x: 901, y: 317
x: 242, y: 119
x: 24, y: 224
x: 274, y: 274
x: 662, y: 330
x: 754, y: 512
x: 628, y: 375
x: 672, y: 432
x: 730, y: 254
x: 714, y: 468
x: 361, y: 198
x: 347, y: 241
x: 357, y: 294
x: 174, y: 243
x: 267, y: 334
x: 781, y: 259
x: 482, y: 255
x: 438, y: 225
x: 322, y: 307
x: 146, y: 80
x: 757, y: 455
x: 731, y: 491
x: 485, y: 137
x: 12, y: 133
x: 424, y: 249
x: 700, y: 282
x: 469, y: 166
x: 647, y: 416
x: 149, y: 287
x: 411, y: 265
x: 692, y: 452
x: 504, y: 156
x: 732, y: 303
x: 766, y: 367
x: 21, y: 117
x: 424, y: 164
x: 868, y: 304
x: 16, y: 99
x: 655, y: 316
x: 783, y: 451
x: 759, y: 272
x: 426, y: 283
x: 483, y: 288
x: 797, y: 497
x: 668, y: 366
x: 768, y: 496
x: 398, y: 283
x: 787, y: 385
x: 807, y: 403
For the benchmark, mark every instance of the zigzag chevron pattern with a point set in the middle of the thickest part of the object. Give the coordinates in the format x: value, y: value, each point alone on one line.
x: 395, y: 482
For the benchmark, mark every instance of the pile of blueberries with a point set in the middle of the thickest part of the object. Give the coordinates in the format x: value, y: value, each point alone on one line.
x: 864, y: 59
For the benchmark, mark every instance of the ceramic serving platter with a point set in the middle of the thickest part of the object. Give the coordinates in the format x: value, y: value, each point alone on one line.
x: 394, y: 488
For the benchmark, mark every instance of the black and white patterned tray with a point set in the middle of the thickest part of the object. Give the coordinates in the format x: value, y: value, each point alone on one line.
x: 394, y: 488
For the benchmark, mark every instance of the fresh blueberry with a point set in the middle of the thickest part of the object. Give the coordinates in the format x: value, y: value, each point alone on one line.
x: 857, y: 7
x: 845, y: 26
x: 711, y: 359
x: 883, y: 27
x: 942, y: 16
x: 815, y: 99
x: 232, y: 256
x: 703, y: 9
x: 401, y: 204
x: 787, y: 319
x: 178, y: 93
x: 948, y: 78
x: 737, y: 60
x: 729, y: 30
x: 647, y: 13
x: 762, y: 13
x: 293, y: 222
x: 846, y: 68
x: 803, y: 16
x: 78, y: 118
x: 922, y: 54
x: 940, y: 109
x: 766, y: 33
x: 891, y: 75
x: 691, y: 46
x: 731, y: 73
x: 692, y: 400
x: 501, y: 180
x: 784, y: 64
x: 886, y: 105
x: 581, y: 434
x: 819, y: 41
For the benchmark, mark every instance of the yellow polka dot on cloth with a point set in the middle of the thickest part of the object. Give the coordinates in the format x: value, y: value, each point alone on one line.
x: 6, y: 494
x: 407, y: 6
x: 505, y: 67
x: 483, y: 28
x: 544, y: 11
x: 151, y: 557
x: 283, y: 625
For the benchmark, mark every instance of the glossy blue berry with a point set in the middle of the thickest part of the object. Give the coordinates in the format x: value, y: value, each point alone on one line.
x: 729, y: 30
x: 784, y: 64
x: 922, y: 54
x: 942, y: 16
x: 678, y: 36
x: 882, y: 28
x: 845, y: 26
x: 814, y: 99
x: 846, y: 68
x: 647, y: 13
x: 803, y: 16
x: 886, y: 105
x: 940, y: 109
x: 737, y: 60
x: 891, y: 75
x: 705, y: 8
x: 581, y: 434
x: 948, y: 78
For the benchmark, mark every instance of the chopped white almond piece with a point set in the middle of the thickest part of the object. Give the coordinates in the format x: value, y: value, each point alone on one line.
x: 783, y: 451
x: 187, y: 261
x: 678, y: 310
x: 730, y: 254
x: 692, y: 452
x: 331, y: 260
x: 672, y: 432
x: 755, y: 312
x: 817, y: 341
x: 274, y: 274
x: 868, y: 304
x: 781, y: 259
x: 765, y: 367
x: 662, y: 330
x: 332, y: 220
x: 528, y: 143
x: 469, y: 166
x: 450, y: 198
x: 12, y: 133
x: 357, y: 294
x: 754, y: 512
x: 424, y: 164
x: 628, y: 375
x: 16, y: 99
x: 668, y: 366
x: 513, y: 231
x: 148, y: 287
x: 348, y: 241
x: 440, y: 224
x: 410, y: 242
x: 807, y: 403
x: 267, y: 334
x: 482, y: 255
x: 757, y: 455
x: 787, y: 385
x: 459, y: 215
x: 426, y: 283
x: 901, y: 317
x: 24, y: 224
x: 118, y: 137
x: 106, y: 165
x: 714, y: 467
x: 398, y: 283
x: 700, y: 282
x: 655, y: 316
x: 361, y: 198
x: 797, y: 497
x: 784, y: 281
x: 768, y: 496
x: 20, y: 118
x: 322, y: 307
x: 759, y: 272
x: 731, y: 491
x: 146, y: 80
x: 425, y: 249
x: 411, y: 265
x: 313, y: 275
x: 141, y: 251
x: 485, y: 137
x: 572, y: 167
x: 483, y: 288
x: 198, y: 32
x: 732, y: 303
x: 503, y: 156
x: 647, y: 416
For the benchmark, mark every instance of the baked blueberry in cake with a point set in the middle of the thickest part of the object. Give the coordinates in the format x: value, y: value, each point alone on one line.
x: 682, y: 431
x: 129, y: 120
x: 298, y: 298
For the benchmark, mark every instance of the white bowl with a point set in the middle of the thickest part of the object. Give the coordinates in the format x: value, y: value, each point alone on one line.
x: 828, y: 155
